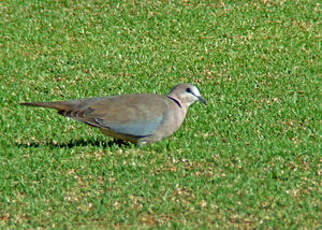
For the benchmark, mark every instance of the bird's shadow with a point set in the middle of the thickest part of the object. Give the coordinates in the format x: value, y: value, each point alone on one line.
x: 73, y: 143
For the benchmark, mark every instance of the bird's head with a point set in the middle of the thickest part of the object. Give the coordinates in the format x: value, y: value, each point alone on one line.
x: 186, y: 94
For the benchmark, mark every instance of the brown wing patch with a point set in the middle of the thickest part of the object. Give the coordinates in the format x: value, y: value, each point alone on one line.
x: 75, y: 113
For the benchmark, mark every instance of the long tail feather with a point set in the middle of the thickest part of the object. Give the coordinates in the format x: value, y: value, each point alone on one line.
x: 59, y: 105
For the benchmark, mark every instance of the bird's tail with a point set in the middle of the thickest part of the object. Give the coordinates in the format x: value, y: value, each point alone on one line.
x: 59, y: 105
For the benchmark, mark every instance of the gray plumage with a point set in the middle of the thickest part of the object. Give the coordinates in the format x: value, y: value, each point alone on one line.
x: 137, y: 118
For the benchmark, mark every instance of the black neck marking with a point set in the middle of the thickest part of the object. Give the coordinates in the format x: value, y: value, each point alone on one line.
x: 176, y: 101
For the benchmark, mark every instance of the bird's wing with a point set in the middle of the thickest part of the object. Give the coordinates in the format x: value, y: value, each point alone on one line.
x: 135, y: 115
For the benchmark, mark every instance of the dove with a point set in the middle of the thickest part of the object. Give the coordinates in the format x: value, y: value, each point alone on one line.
x: 136, y: 118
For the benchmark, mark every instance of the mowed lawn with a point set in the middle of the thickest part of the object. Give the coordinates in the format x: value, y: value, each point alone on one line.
x: 251, y: 159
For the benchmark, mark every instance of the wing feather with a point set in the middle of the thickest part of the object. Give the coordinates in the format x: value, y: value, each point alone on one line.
x: 134, y: 115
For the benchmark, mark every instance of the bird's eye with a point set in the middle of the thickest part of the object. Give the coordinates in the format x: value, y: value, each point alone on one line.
x: 188, y: 90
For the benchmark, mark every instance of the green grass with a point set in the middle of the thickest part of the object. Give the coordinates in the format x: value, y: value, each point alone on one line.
x: 250, y: 159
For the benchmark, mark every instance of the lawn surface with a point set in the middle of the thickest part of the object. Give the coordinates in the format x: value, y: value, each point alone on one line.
x: 250, y: 159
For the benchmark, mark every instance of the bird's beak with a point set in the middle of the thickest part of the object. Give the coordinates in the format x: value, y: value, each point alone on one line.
x: 202, y: 100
